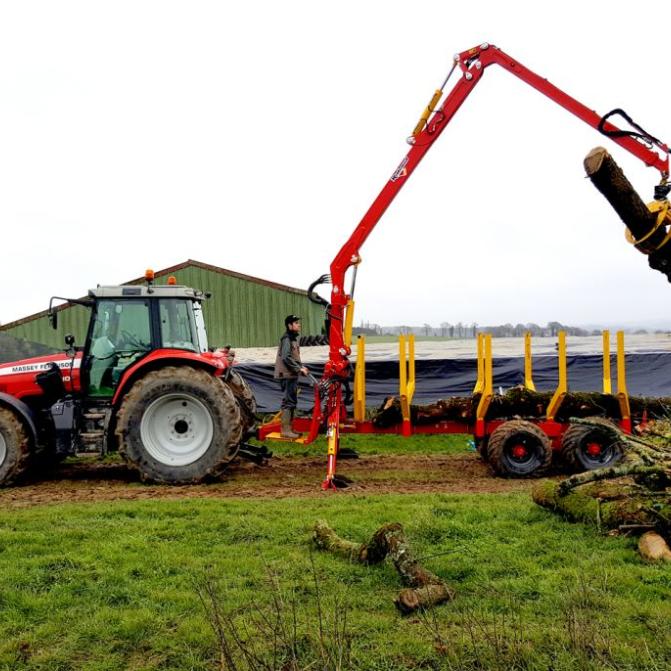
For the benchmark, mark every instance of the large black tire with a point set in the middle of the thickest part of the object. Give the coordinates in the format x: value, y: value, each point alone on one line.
x: 178, y: 425
x: 586, y: 448
x: 15, y: 447
x: 519, y: 449
x: 246, y: 401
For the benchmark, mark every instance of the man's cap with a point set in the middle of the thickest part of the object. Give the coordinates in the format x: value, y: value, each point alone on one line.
x: 290, y: 319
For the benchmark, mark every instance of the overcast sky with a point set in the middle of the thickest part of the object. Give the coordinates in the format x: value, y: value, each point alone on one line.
x: 254, y: 135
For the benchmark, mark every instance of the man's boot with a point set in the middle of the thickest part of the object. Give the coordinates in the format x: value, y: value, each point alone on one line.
x: 287, y: 431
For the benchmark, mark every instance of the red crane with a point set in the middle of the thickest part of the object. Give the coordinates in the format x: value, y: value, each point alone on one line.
x: 471, y: 65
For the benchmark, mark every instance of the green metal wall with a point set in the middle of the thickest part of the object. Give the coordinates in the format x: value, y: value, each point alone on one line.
x: 248, y: 314
x: 72, y: 320
x: 241, y: 313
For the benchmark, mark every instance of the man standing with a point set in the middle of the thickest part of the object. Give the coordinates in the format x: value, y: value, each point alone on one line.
x: 288, y: 367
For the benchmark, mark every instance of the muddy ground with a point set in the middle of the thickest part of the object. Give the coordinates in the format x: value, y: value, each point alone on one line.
x: 89, y: 480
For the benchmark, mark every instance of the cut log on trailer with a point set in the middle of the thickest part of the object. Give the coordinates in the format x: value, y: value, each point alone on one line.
x: 519, y: 402
x: 424, y: 589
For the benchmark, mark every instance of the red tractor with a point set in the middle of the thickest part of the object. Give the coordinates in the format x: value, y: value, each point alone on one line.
x: 144, y: 383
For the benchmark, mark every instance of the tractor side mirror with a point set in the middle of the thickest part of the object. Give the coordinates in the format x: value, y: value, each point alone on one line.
x: 52, y: 316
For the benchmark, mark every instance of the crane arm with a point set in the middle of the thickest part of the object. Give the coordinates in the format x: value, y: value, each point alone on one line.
x: 472, y: 65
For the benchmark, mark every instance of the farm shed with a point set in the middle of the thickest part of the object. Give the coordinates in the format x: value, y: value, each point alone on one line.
x: 244, y: 311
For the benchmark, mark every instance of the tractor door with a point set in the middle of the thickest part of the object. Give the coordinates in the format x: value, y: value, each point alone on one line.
x: 120, y: 334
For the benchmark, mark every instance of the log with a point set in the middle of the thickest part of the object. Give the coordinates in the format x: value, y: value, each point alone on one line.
x: 519, y: 402
x: 653, y: 547
x: 424, y: 589
x: 607, y: 504
x: 611, y: 182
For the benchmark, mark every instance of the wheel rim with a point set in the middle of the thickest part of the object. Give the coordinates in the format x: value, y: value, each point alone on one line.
x: 595, y: 453
x: 522, y: 453
x: 3, y: 450
x: 177, y: 429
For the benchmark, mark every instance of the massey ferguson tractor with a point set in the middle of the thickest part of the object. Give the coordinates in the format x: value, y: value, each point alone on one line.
x: 144, y: 383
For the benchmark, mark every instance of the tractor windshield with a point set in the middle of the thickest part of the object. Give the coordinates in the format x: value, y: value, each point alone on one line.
x: 121, y: 334
x: 178, y: 327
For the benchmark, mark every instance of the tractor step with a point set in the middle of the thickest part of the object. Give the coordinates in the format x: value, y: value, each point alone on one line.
x: 94, y: 415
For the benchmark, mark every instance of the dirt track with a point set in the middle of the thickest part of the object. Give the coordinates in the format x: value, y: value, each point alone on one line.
x: 89, y: 480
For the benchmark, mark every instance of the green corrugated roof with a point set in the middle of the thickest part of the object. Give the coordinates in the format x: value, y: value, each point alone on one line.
x: 244, y: 311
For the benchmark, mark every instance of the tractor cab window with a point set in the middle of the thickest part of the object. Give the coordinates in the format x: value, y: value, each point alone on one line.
x: 121, y: 335
x: 178, y: 328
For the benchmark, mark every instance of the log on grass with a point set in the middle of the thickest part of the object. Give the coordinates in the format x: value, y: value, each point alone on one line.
x: 608, y: 504
x: 653, y: 548
x: 609, y: 179
x: 424, y: 589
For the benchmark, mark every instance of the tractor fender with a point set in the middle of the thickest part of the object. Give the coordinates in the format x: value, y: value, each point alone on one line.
x: 160, y: 359
x: 23, y: 410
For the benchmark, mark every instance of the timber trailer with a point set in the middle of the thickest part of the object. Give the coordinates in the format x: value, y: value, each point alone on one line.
x: 144, y: 383
x: 521, y: 447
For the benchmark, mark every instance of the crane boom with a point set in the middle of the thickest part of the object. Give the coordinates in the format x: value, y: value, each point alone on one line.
x: 472, y: 65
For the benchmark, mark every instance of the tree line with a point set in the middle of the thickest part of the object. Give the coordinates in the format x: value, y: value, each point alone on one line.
x: 465, y: 330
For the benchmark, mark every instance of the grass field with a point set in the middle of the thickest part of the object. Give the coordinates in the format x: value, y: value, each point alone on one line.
x: 116, y: 585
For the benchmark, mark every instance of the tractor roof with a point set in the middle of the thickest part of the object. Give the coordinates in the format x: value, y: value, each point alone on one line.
x: 147, y: 291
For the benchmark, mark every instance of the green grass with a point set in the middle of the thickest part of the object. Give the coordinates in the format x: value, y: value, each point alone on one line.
x: 113, y: 586
x: 454, y: 443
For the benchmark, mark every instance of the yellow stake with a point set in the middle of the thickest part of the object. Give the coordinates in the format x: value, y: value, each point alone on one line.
x: 487, y: 390
x: 360, y: 381
x: 622, y: 395
x: 607, y: 386
x: 528, y: 378
x: 349, y: 320
x: 562, y: 386
x: 480, y: 380
x: 406, y: 371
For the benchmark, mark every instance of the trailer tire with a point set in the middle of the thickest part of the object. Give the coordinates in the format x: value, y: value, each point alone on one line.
x: 246, y: 401
x: 15, y: 447
x: 178, y: 425
x: 519, y: 449
x: 586, y: 448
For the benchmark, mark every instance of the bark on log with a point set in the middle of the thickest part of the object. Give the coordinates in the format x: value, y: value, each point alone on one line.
x: 609, y: 179
x: 424, y: 589
x: 520, y: 402
x: 607, y: 504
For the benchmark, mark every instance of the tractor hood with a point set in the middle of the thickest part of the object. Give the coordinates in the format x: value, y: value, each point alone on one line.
x: 18, y: 377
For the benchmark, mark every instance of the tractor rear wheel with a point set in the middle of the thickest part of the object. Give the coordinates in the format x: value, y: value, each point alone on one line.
x: 14, y: 447
x: 519, y: 449
x: 246, y: 400
x: 178, y: 425
x: 586, y: 448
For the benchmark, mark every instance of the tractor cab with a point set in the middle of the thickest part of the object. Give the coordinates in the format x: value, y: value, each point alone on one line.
x: 130, y: 322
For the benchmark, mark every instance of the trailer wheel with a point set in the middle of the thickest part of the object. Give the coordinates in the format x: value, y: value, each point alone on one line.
x: 586, y: 448
x: 519, y: 449
x: 246, y: 400
x: 178, y: 425
x: 14, y: 447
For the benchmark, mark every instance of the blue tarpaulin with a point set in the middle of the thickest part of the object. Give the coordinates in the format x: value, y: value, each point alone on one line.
x: 648, y: 374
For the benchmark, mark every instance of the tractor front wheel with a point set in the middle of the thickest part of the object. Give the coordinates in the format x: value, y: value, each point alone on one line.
x: 588, y: 447
x: 14, y: 447
x: 178, y: 425
x: 519, y: 449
